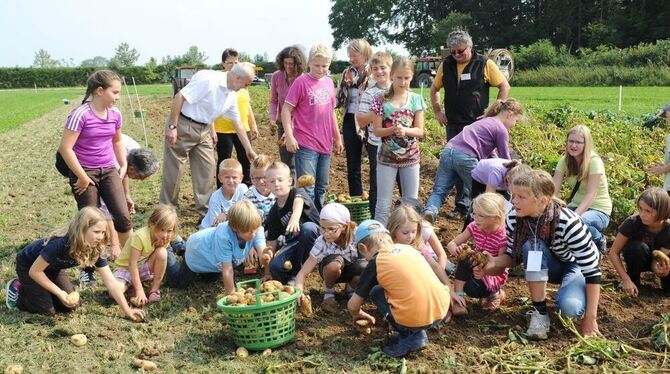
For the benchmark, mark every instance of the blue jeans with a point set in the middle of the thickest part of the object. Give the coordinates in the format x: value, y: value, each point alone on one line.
x: 309, y: 162
x: 296, y: 251
x: 571, y: 295
x: 596, y: 221
x: 454, y: 166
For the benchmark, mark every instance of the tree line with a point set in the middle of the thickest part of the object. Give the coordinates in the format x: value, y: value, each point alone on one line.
x: 422, y: 25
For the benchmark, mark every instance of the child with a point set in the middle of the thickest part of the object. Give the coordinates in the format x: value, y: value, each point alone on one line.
x: 334, y: 254
x: 488, y: 233
x: 310, y: 126
x: 232, y: 190
x: 380, y: 66
x: 476, y: 142
x: 219, y: 249
x: 91, y: 146
x: 292, y: 225
x: 409, y: 296
x: 407, y: 227
x: 665, y: 168
x: 144, y: 257
x: 398, y: 120
x: 644, y: 241
x: 43, y: 287
x: 260, y: 193
x: 585, y: 173
x: 555, y: 246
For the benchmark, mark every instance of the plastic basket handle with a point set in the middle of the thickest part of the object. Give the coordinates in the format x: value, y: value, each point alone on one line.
x: 276, y: 293
x: 256, y: 282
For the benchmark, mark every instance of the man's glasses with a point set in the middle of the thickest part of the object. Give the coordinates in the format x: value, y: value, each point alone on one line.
x: 455, y: 52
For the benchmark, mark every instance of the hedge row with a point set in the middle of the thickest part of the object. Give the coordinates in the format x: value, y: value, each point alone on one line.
x: 604, y: 76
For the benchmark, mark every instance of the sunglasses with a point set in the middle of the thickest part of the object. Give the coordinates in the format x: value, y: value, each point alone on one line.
x: 455, y: 52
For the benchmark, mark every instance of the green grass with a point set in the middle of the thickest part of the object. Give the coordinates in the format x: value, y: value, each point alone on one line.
x: 22, y: 105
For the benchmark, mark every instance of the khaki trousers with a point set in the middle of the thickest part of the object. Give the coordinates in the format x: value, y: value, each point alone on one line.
x: 194, y: 143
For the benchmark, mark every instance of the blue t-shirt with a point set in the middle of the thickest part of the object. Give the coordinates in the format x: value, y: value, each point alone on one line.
x: 218, y: 204
x: 55, y: 253
x: 207, y: 250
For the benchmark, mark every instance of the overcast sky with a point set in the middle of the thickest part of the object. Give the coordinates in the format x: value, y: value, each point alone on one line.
x: 82, y: 29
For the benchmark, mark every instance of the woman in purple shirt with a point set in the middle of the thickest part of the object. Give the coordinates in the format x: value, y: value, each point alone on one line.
x: 477, y: 141
x: 290, y: 65
x: 91, y: 146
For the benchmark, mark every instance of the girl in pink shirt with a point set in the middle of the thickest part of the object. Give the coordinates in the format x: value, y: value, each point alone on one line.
x: 92, y: 145
x: 488, y: 233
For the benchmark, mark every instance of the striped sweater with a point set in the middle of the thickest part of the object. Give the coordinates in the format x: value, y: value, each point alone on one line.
x: 572, y: 243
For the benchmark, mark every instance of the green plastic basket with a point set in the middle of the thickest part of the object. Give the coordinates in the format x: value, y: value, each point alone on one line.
x: 358, y: 210
x: 266, y: 325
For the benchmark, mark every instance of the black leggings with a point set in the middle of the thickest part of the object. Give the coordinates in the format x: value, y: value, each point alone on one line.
x: 353, y: 146
x: 473, y: 287
x: 224, y: 150
x: 637, y: 256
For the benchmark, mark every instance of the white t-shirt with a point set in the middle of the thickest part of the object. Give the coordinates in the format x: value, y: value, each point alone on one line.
x: 219, y: 204
x: 208, y: 97
x: 129, y: 144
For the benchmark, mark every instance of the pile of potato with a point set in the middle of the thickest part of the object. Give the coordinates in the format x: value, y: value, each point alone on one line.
x: 244, y: 297
x: 346, y: 198
x: 475, y: 258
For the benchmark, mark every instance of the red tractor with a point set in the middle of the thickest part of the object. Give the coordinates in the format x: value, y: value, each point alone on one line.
x: 182, y: 75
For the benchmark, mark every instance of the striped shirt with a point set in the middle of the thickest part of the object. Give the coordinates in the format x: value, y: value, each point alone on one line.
x: 262, y: 203
x: 322, y: 249
x: 490, y: 243
x: 93, y: 147
x: 572, y: 243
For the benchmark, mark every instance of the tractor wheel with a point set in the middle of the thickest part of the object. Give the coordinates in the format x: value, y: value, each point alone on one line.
x: 424, y: 80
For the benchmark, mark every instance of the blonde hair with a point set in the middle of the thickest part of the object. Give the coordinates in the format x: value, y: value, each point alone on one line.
x: 381, y: 57
x: 514, y: 168
x: 490, y: 204
x: 230, y: 164
x: 539, y: 183
x: 244, y: 217
x: 361, y: 46
x: 376, y: 240
x: 575, y: 168
x: 509, y: 105
x: 401, y: 63
x: 320, y: 50
x: 164, y: 216
x: 347, y: 235
x: 75, y: 233
x: 278, y: 165
x: 402, y: 215
x: 261, y: 161
x: 657, y: 199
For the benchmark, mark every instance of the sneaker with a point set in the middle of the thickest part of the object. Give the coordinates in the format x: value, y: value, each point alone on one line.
x: 330, y: 305
x: 87, y: 277
x: 493, y: 301
x: 12, y: 293
x: 538, y: 326
x: 429, y: 216
x: 350, y: 291
x: 154, y: 297
x: 406, y: 343
x: 602, y: 246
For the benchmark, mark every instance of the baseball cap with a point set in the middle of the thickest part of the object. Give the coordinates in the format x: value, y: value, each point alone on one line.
x: 367, y: 228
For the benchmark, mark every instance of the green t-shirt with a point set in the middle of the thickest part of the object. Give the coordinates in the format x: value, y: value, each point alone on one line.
x: 602, y: 201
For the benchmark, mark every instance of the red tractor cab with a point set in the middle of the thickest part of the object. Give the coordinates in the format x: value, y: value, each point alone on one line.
x: 182, y: 75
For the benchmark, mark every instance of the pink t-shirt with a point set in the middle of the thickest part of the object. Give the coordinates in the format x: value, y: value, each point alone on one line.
x: 94, y: 147
x: 314, y: 102
x: 490, y: 243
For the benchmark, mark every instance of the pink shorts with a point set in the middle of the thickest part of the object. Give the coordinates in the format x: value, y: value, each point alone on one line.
x: 124, y: 274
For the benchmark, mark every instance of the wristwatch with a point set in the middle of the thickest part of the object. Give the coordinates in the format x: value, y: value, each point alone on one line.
x: 171, y: 127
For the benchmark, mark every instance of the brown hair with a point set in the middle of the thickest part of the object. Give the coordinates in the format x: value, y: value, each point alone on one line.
x: 101, y: 78
x: 261, y: 161
x: 509, y: 105
x: 164, y: 216
x: 657, y: 199
x: 402, y: 215
x: 75, y: 233
x: 347, y: 234
x: 244, y: 217
x: 514, y: 168
x: 381, y: 57
x: 539, y: 183
x: 298, y: 59
x: 229, y: 52
x: 401, y: 63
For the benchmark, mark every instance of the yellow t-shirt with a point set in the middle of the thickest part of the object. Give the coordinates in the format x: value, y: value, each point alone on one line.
x: 492, y: 75
x: 224, y: 125
x: 415, y: 294
x: 141, y: 240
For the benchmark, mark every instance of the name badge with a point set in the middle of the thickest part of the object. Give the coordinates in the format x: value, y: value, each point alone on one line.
x: 465, y: 77
x: 534, y: 262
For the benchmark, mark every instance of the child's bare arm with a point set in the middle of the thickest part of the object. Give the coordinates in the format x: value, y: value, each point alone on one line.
x: 439, y: 271
x: 306, y: 268
x: 115, y: 291
x: 135, y: 280
x: 354, y: 307
x: 435, y: 243
x: 228, y: 281
x: 294, y: 222
x: 453, y: 247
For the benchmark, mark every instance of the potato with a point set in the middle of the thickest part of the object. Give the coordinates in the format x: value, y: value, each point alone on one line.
x: 363, y: 326
x: 306, y: 306
x: 135, y: 301
x: 17, y: 369
x: 242, y: 352
x: 465, y: 253
x: 265, y: 259
x: 365, y: 196
x: 78, y: 340
x: 284, y: 295
x: 232, y: 299
x: 305, y: 181
x: 73, y: 297
x: 145, y: 365
x: 661, y: 258
x: 288, y: 265
x: 362, y: 322
x: 479, y: 259
x: 267, y: 352
x: 288, y: 289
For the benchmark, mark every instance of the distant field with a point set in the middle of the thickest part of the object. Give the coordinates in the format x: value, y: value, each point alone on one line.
x: 20, y: 106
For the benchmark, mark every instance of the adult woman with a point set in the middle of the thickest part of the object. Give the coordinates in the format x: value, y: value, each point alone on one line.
x: 353, y: 82
x: 290, y: 65
x: 585, y: 173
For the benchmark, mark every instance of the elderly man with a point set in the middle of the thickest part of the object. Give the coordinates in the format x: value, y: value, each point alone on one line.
x: 466, y: 77
x: 190, y: 133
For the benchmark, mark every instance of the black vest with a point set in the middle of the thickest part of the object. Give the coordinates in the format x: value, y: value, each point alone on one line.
x: 466, y: 101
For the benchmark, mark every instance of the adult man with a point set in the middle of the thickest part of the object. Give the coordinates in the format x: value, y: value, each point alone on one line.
x: 466, y: 77
x: 190, y: 133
